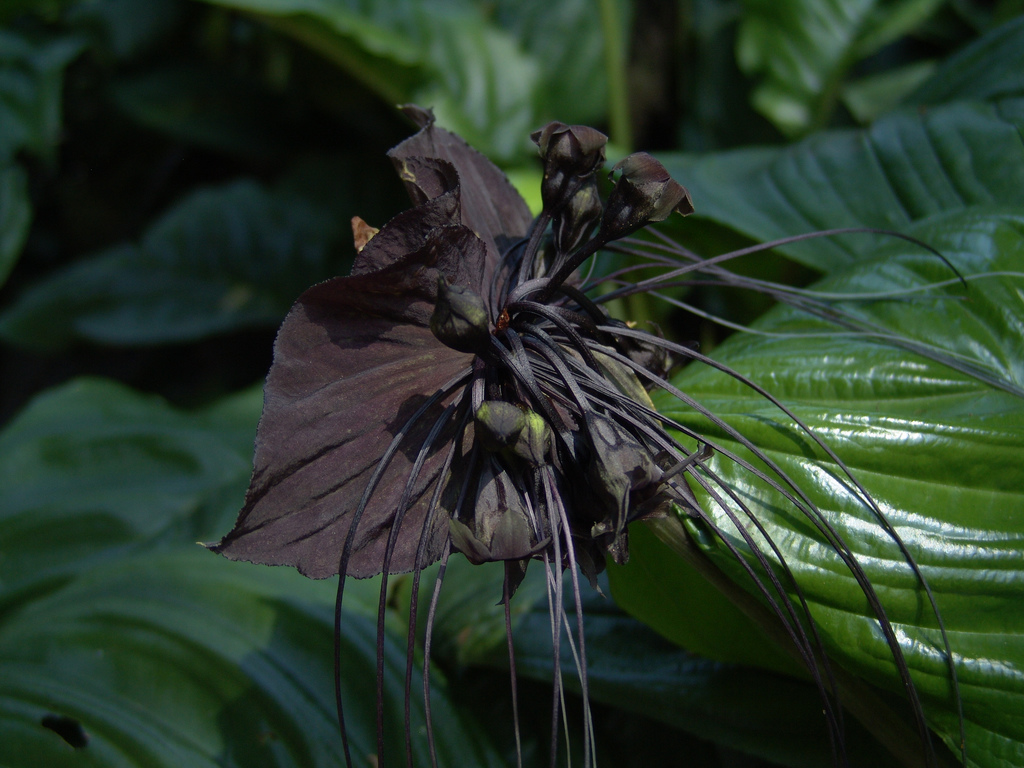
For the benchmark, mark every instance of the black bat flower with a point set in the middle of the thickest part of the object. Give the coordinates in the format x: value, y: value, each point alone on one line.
x: 462, y: 391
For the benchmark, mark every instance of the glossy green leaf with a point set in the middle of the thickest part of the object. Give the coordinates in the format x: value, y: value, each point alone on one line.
x: 221, y: 259
x: 938, y: 447
x: 803, y: 49
x: 909, y: 165
x: 15, y: 216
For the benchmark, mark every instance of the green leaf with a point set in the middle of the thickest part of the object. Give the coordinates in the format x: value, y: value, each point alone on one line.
x: 565, y: 42
x: 443, y: 54
x: 91, y: 470
x: 15, y: 216
x: 909, y: 165
x: 184, y: 658
x: 208, y: 106
x: 115, y: 625
x: 871, y: 96
x: 990, y: 68
x: 632, y: 669
x: 46, y: 9
x: 481, y: 85
x: 31, y: 91
x: 469, y: 621
x: 803, y: 49
x: 937, y: 446
x: 666, y: 594
x: 31, y: 98
x: 492, y: 73
x: 126, y: 27
x: 222, y: 259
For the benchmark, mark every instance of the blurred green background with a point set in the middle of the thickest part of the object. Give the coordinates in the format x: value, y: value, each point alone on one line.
x: 173, y: 173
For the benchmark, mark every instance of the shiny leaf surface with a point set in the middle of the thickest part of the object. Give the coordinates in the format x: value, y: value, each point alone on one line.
x: 909, y: 165
x: 990, y: 68
x: 937, y: 447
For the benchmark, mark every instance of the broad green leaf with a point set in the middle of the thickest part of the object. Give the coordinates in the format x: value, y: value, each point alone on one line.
x: 31, y: 91
x: 441, y: 53
x: 222, y: 259
x: 566, y: 44
x: 184, y: 658
x: 491, y: 73
x: 937, y: 446
x: 909, y: 165
x: 481, y: 85
x: 670, y: 597
x: 874, y: 95
x: 116, y: 625
x: 31, y: 98
x: 15, y: 216
x: 803, y: 49
x: 93, y: 470
x: 990, y: 68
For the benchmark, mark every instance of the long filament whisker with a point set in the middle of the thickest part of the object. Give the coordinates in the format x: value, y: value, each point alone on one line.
x: 814, y: 515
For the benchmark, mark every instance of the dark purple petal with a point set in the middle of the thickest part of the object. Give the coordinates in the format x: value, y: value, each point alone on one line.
x: 499, y: 528
x: 409, y: 231
x: 645, y: 192
x: 353, y: 361
x: 571, y: 153
x: 491, y: 206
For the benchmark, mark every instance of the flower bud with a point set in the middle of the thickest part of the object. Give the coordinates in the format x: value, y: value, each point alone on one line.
x: 645, y: 192
x: 575, y: 222
x: 460, y: 318
x: 619, y: 466
x: 499, y: 424
x: 505, y: 427
x: 572, y: 153
x: 499, y: 528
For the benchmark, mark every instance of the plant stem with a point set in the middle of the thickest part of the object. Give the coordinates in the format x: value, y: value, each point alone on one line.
x: 615, y: 66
